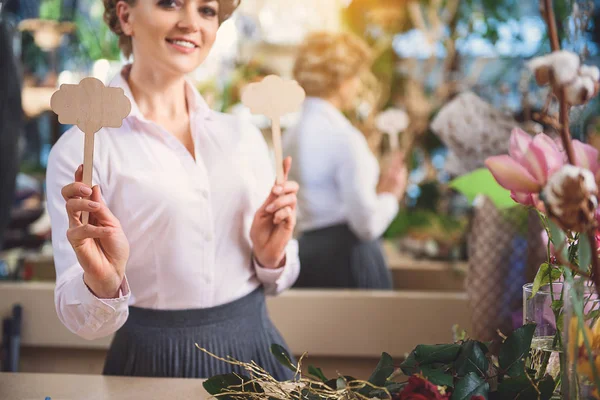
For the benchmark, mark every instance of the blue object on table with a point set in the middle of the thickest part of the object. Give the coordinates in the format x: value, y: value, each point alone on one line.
x: 15, y: 339
x: 6, y: 322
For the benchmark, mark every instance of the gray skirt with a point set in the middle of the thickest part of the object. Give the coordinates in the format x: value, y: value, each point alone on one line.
x: 162, y: 343
x: 334, y: 257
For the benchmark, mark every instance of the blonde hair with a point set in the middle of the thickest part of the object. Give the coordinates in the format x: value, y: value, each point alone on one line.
x: 325, y: 60
x: 226, y: 8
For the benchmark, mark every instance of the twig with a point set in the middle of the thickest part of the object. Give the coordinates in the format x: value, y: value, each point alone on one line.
x: 565, y: 134
x: 551, y: 23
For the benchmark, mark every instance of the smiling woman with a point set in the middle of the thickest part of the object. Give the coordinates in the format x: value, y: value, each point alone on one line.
x: 223, y: 10
x: 188, y: 233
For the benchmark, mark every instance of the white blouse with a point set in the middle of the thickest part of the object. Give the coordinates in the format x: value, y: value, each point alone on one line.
x: 187, y: 221
x: 337, y: 173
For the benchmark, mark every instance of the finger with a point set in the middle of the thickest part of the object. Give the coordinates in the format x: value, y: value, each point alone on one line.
x: 79, y: 173
x: 282, y: 215
x: 80, y: 233
x: 289, y: 187
x: 76, y: 206
x: 102, y: 213
x: 289, y: 200
x: 287, y: 165
x: 75, y: 190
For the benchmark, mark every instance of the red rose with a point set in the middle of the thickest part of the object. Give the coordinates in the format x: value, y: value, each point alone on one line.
x: 416, y: 396
x: 419, y: 388
x: 478, y: 397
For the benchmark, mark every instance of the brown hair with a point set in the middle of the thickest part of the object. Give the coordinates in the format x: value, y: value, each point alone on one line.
x: 325, y: 60
x: 226, y: 8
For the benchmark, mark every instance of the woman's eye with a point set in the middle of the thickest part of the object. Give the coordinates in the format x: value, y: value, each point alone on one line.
x: 168, y: 3
x: 208, y: 11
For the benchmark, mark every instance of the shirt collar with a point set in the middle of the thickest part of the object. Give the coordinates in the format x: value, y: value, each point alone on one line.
x: 196, y: 103
x: 312, y: 104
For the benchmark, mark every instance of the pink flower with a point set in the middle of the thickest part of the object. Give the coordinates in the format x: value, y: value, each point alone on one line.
x: 534, y: 159
x: 527, y: 167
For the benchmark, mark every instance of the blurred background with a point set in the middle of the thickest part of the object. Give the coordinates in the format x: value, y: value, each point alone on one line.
x: 431, y: 55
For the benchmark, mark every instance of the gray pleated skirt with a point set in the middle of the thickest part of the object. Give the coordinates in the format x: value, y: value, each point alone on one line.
x: 334, y: 257
x: 162, y: 343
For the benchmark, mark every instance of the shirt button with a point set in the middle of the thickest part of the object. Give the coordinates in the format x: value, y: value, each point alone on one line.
x: 208, y: 236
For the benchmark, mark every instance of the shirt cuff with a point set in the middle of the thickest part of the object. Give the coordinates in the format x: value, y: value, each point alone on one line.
x: 268, y: 275
x: 87, y: 297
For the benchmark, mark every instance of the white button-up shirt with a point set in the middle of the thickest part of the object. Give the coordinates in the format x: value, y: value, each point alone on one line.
x: 187, y: 221
x: 337, y: 173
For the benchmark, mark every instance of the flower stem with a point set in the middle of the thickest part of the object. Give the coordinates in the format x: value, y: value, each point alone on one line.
x: 551, y: 22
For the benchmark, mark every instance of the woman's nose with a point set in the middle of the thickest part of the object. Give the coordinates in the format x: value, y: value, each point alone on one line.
x: 190, y: 19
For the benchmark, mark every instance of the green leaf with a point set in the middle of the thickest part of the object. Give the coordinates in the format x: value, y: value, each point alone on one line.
x: 514, y: 350
x: 559, y: 238
x: 584, y: 253
x: 282, y: 356
x: 546, y: 387
x: 384, y: 369
x: 317, y: 373
x: 471, y: 359
x: 438, y: 353
x: 557, y: 305
x: 482, y: 182
x: 333, y: 383
x: 545, y: 275
x: 471, y: 385
x: 217, y: 384
x: 437, y: 376
x: 395, y: 387
x: 592, y: 315
x: 392, y: 388
x: 409, y: 365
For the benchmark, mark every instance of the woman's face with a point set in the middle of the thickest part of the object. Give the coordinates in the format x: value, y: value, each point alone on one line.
x: 349, y: 90
x: 174, y: 35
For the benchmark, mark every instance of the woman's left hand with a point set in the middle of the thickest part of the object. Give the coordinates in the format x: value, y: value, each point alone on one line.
x: 274, y: 222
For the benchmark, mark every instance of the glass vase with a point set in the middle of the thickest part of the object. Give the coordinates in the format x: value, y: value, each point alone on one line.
x: 546, y: 345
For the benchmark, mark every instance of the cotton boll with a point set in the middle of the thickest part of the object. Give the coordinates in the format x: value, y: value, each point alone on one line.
x: 563, y: 64
x: 570, y: 196
x: 590, y: 71
x: 580, y: 90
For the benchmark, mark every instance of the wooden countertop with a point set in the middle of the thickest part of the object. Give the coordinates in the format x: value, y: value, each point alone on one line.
x: 345, y: 323
x: 24, y: 386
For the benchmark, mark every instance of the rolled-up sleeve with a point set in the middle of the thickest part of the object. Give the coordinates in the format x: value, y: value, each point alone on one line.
x: 279, y: 279
x: 77, y: 307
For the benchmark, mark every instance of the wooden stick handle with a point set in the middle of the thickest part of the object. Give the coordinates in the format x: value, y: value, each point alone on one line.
x: 88, y: 167
x: 278, y: 149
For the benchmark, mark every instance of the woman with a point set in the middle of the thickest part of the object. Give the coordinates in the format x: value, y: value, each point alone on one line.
x: 344, y: 206
x: 186, y: 234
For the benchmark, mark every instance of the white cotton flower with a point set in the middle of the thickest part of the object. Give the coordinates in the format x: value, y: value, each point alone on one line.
x: 590, y: 71
x: 570, y: 197
x: 563, y: 64
x: 580, y: 90
x: 554, y: 190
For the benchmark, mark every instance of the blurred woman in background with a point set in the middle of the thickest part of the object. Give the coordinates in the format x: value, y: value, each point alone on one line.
x: 344, y: 206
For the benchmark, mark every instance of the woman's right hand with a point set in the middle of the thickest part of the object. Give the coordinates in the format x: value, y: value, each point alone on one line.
x: 101, y: 246
x: 395, y: 178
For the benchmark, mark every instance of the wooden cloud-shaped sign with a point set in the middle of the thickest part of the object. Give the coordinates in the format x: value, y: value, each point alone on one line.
x: 90, y: 106
x: 274, y: 97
